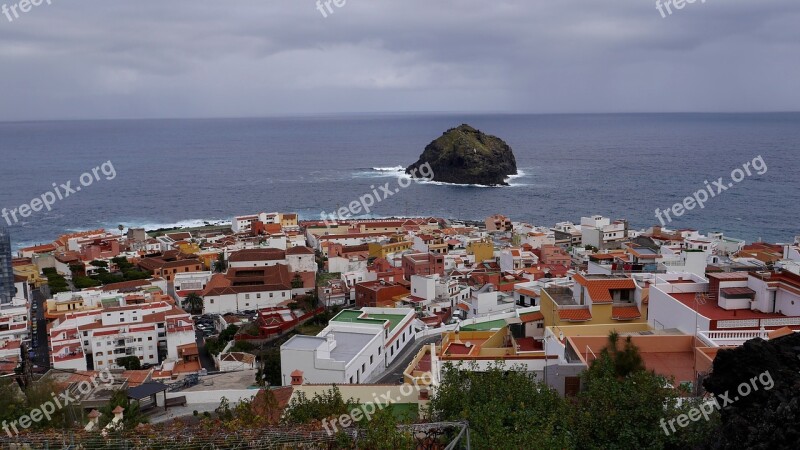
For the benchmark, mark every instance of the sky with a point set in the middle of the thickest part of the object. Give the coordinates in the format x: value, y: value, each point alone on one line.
x: 100, y: 59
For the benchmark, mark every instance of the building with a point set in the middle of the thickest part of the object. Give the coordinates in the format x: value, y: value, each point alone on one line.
x: 7, y: 289
x: 594, y: 299
x: 260, y: 257
x: 243, y: 289
x: 356, y: 347
x: 601, y: 233
x: 498, y: 222
x: 553, y: 254
x: 14, y: 321
x: 726, y: 308
x: 378, y: 293
x: 384, y: 249
x: 170, y: 264
x: 422, y: 264
x: 152, y: 332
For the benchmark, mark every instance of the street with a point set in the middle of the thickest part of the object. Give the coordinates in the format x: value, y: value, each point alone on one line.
x: 39, y: 338
x: 395, y: 370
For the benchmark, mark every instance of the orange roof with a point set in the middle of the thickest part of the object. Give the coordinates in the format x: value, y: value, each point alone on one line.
x: 600, y: 288
x: 625, y: 313
x: 531, y: 317
x: 575, y: 315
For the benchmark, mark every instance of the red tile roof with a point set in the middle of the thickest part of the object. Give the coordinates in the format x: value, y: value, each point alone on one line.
x: 625, y: 313
x: 575, y: 315
x: 531, y: 317
x: 600, y: 289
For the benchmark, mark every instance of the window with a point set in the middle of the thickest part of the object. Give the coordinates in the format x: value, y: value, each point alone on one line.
x: 270, y: 295
x: 371, y: 357
x: 258, y: 295
x: 379, y: 351
x: 363, y: 367
x: 247, y: 296
x: 99, y: 363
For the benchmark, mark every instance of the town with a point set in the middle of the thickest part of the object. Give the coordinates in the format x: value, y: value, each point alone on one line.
x: 184, y: 320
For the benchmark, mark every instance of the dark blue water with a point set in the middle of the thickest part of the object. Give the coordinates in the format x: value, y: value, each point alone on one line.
x: 185, y: 171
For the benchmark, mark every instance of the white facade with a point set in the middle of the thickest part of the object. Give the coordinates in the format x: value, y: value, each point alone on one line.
x: 243, y: 224
x: 303, y: 262
x: 243, y: 301
x: 14, y: 321
x: 424, y: 287
x: 112, y: 333
x: 349, y: 352
x: 666, y: 312
x: 191, y: 281
x: 340, y: 264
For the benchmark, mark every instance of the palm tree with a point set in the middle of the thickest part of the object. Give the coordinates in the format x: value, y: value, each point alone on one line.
x: 194, y: 302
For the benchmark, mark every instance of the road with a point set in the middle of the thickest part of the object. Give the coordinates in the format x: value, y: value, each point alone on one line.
x: 39, y: 338
x: 395, y: 370
x: 205, y: 360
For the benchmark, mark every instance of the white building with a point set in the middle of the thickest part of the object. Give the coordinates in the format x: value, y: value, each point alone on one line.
x: 108, y: 334
x: 301, y: 259
x: 243, y: 224
x: 725, y: 304
x: 600, y: 232
x: 14, y: 320
x: 357, y: 346
x: 257, y: 257
x: 247, y: 288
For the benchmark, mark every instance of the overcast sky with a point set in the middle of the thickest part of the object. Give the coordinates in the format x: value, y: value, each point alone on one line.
x: 197, y: 58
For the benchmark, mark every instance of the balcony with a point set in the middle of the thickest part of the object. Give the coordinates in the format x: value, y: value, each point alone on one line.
x: 729, y: 338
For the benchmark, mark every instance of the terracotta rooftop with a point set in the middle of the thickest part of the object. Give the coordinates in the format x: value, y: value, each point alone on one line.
x: 625, y: 313
x: 575, y: 315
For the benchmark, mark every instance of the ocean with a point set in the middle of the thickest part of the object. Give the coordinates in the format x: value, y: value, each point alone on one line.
x: 187, y: 172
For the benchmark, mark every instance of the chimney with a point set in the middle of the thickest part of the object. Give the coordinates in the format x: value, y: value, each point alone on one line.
x: 118, y: 413
x: 297, y: 378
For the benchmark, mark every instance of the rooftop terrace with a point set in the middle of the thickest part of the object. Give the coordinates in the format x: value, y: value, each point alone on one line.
x: 357, y: 316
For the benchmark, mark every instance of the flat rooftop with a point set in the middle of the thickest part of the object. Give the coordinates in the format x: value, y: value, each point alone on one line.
x: 357, y: 316
x: 485, y: 326
x: 300, y: 342
x: 348, y: 345
x: 561, y: 295
x: 712, y: 311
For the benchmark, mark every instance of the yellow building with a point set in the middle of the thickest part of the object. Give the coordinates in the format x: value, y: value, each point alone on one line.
x: 31, y: 273
x: 379, y: 250
x: 189, y: 248
x: 483, y: 251
x: 289, y: 220
x: 595, y: 300
x: 208, y: 258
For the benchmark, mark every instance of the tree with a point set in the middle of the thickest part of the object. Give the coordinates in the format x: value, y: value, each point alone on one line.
x: 327, y: 405
x: 129, y: 362
x: 194, y: 302
x: 297, y: 281
x: 221, y: 264
x: 504, y: 408
x: 131, y: 417
x: 622, y: 405
x: 382, y: 433
x: 625, y: 361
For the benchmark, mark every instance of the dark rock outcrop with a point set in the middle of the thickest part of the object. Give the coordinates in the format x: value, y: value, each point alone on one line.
x: 464, y: 155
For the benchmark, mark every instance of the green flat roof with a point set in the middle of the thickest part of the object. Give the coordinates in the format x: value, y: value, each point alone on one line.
x: 352, y: 315
x: 485, y: 326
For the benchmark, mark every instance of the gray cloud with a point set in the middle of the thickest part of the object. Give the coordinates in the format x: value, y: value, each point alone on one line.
x: 147, y: 58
